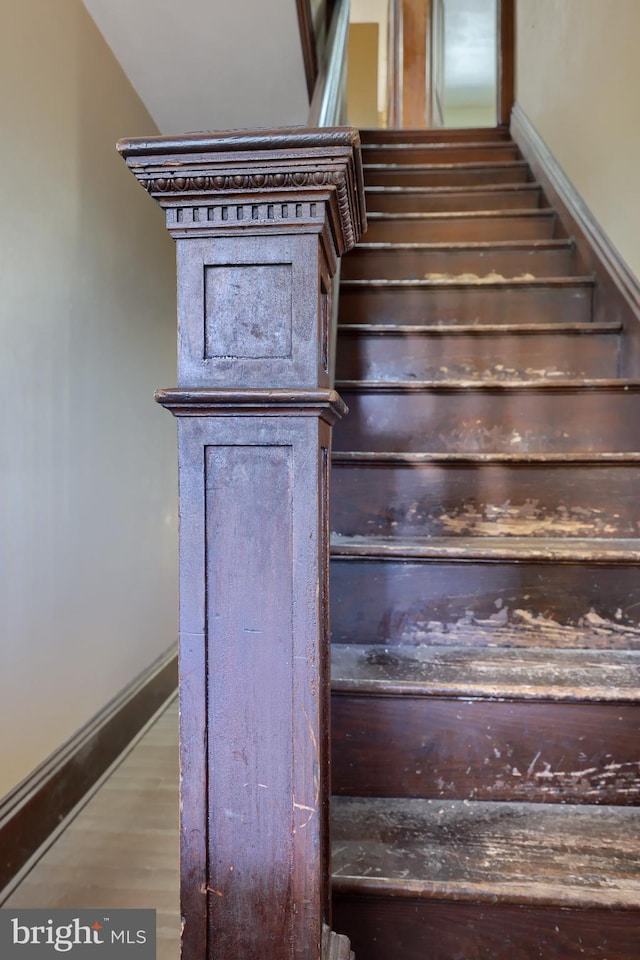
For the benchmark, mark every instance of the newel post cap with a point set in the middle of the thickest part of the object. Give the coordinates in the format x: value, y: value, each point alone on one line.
x: 289, y: 164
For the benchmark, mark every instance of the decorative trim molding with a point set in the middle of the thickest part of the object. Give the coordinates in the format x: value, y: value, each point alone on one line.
x: 257, y: 181
x: 326, y: 404
x: 37, y: 806
x: 290, y: 164
x: 596, y: 248
x: 229, y: 215
x: 229, y: 143
x: 235, y: 212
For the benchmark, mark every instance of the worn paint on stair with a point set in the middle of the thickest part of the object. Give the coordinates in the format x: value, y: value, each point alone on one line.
x: 522, y: 628
x: 485, y: 595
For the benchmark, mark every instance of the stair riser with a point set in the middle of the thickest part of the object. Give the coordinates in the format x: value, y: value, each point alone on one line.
x: 416, y: 929
x: 510, y: 357
x: 461, y: 229
x: 389, y: 202
x: 468, y: 421
x: 478, y: 604
x: 475, y: 304
x: 441, y: 153
x: 446, y: 176
x: 401, y: 263
x: 450, y: 135
x: 484, y: 750
x: 487, y: 500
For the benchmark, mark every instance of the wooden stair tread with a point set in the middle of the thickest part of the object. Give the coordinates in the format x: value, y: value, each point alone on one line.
x: 457, y: 190
x: 479, y: 245
x: 519, y: 629
x: 378, y: 136
x: 429, y: 197
x: 618, y: 385
x: 524, y: 674
x: 469, y: 166
x: 489, y: 225
x: 489, y: 214
x: 466, y: 284
x: 499, y: 498
x: 544, y: 299
x: 418, y: 459
x: 489, y: 549
x: 420, y: 154
x: 440, y: 144
x: 474, y: 329
x: 447, y: 171
x: 489, y: 415
x: 545, y: 854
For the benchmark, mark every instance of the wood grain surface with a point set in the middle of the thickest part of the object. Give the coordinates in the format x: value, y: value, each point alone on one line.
x: 121, y: 850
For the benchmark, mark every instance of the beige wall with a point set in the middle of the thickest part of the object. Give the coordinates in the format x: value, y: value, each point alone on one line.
x: 470, y: 116
x: 376, y: 11
x: 87, y: 491
x: 362, y: 77
x: 209, y: 64
x: 578, y: 81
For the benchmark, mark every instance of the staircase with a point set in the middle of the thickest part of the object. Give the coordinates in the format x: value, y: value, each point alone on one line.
x: 485, y: 581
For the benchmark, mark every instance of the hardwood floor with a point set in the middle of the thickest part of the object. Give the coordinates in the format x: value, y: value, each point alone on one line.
x: 121, y: 850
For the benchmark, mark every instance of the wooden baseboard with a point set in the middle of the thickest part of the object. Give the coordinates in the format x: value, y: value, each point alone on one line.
x: 618, y: 289
x: 31, y: 812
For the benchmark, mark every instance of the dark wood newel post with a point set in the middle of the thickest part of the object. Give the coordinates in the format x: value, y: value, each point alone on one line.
x: 260, y: 220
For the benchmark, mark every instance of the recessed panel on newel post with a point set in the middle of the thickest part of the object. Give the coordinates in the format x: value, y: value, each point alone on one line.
x: 260, y: 220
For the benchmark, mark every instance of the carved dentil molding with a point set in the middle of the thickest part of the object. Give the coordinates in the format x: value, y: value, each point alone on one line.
x: 192, y: 189
x: 199, y: 170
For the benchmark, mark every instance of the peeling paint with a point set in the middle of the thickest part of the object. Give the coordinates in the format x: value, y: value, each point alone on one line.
x: 519, y: 628
x: 478, y: 371
x: 492, y: 277
x: 529, y: 518
x: 591, y: 784
x: 562, y: 855
x: 473, y: 436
